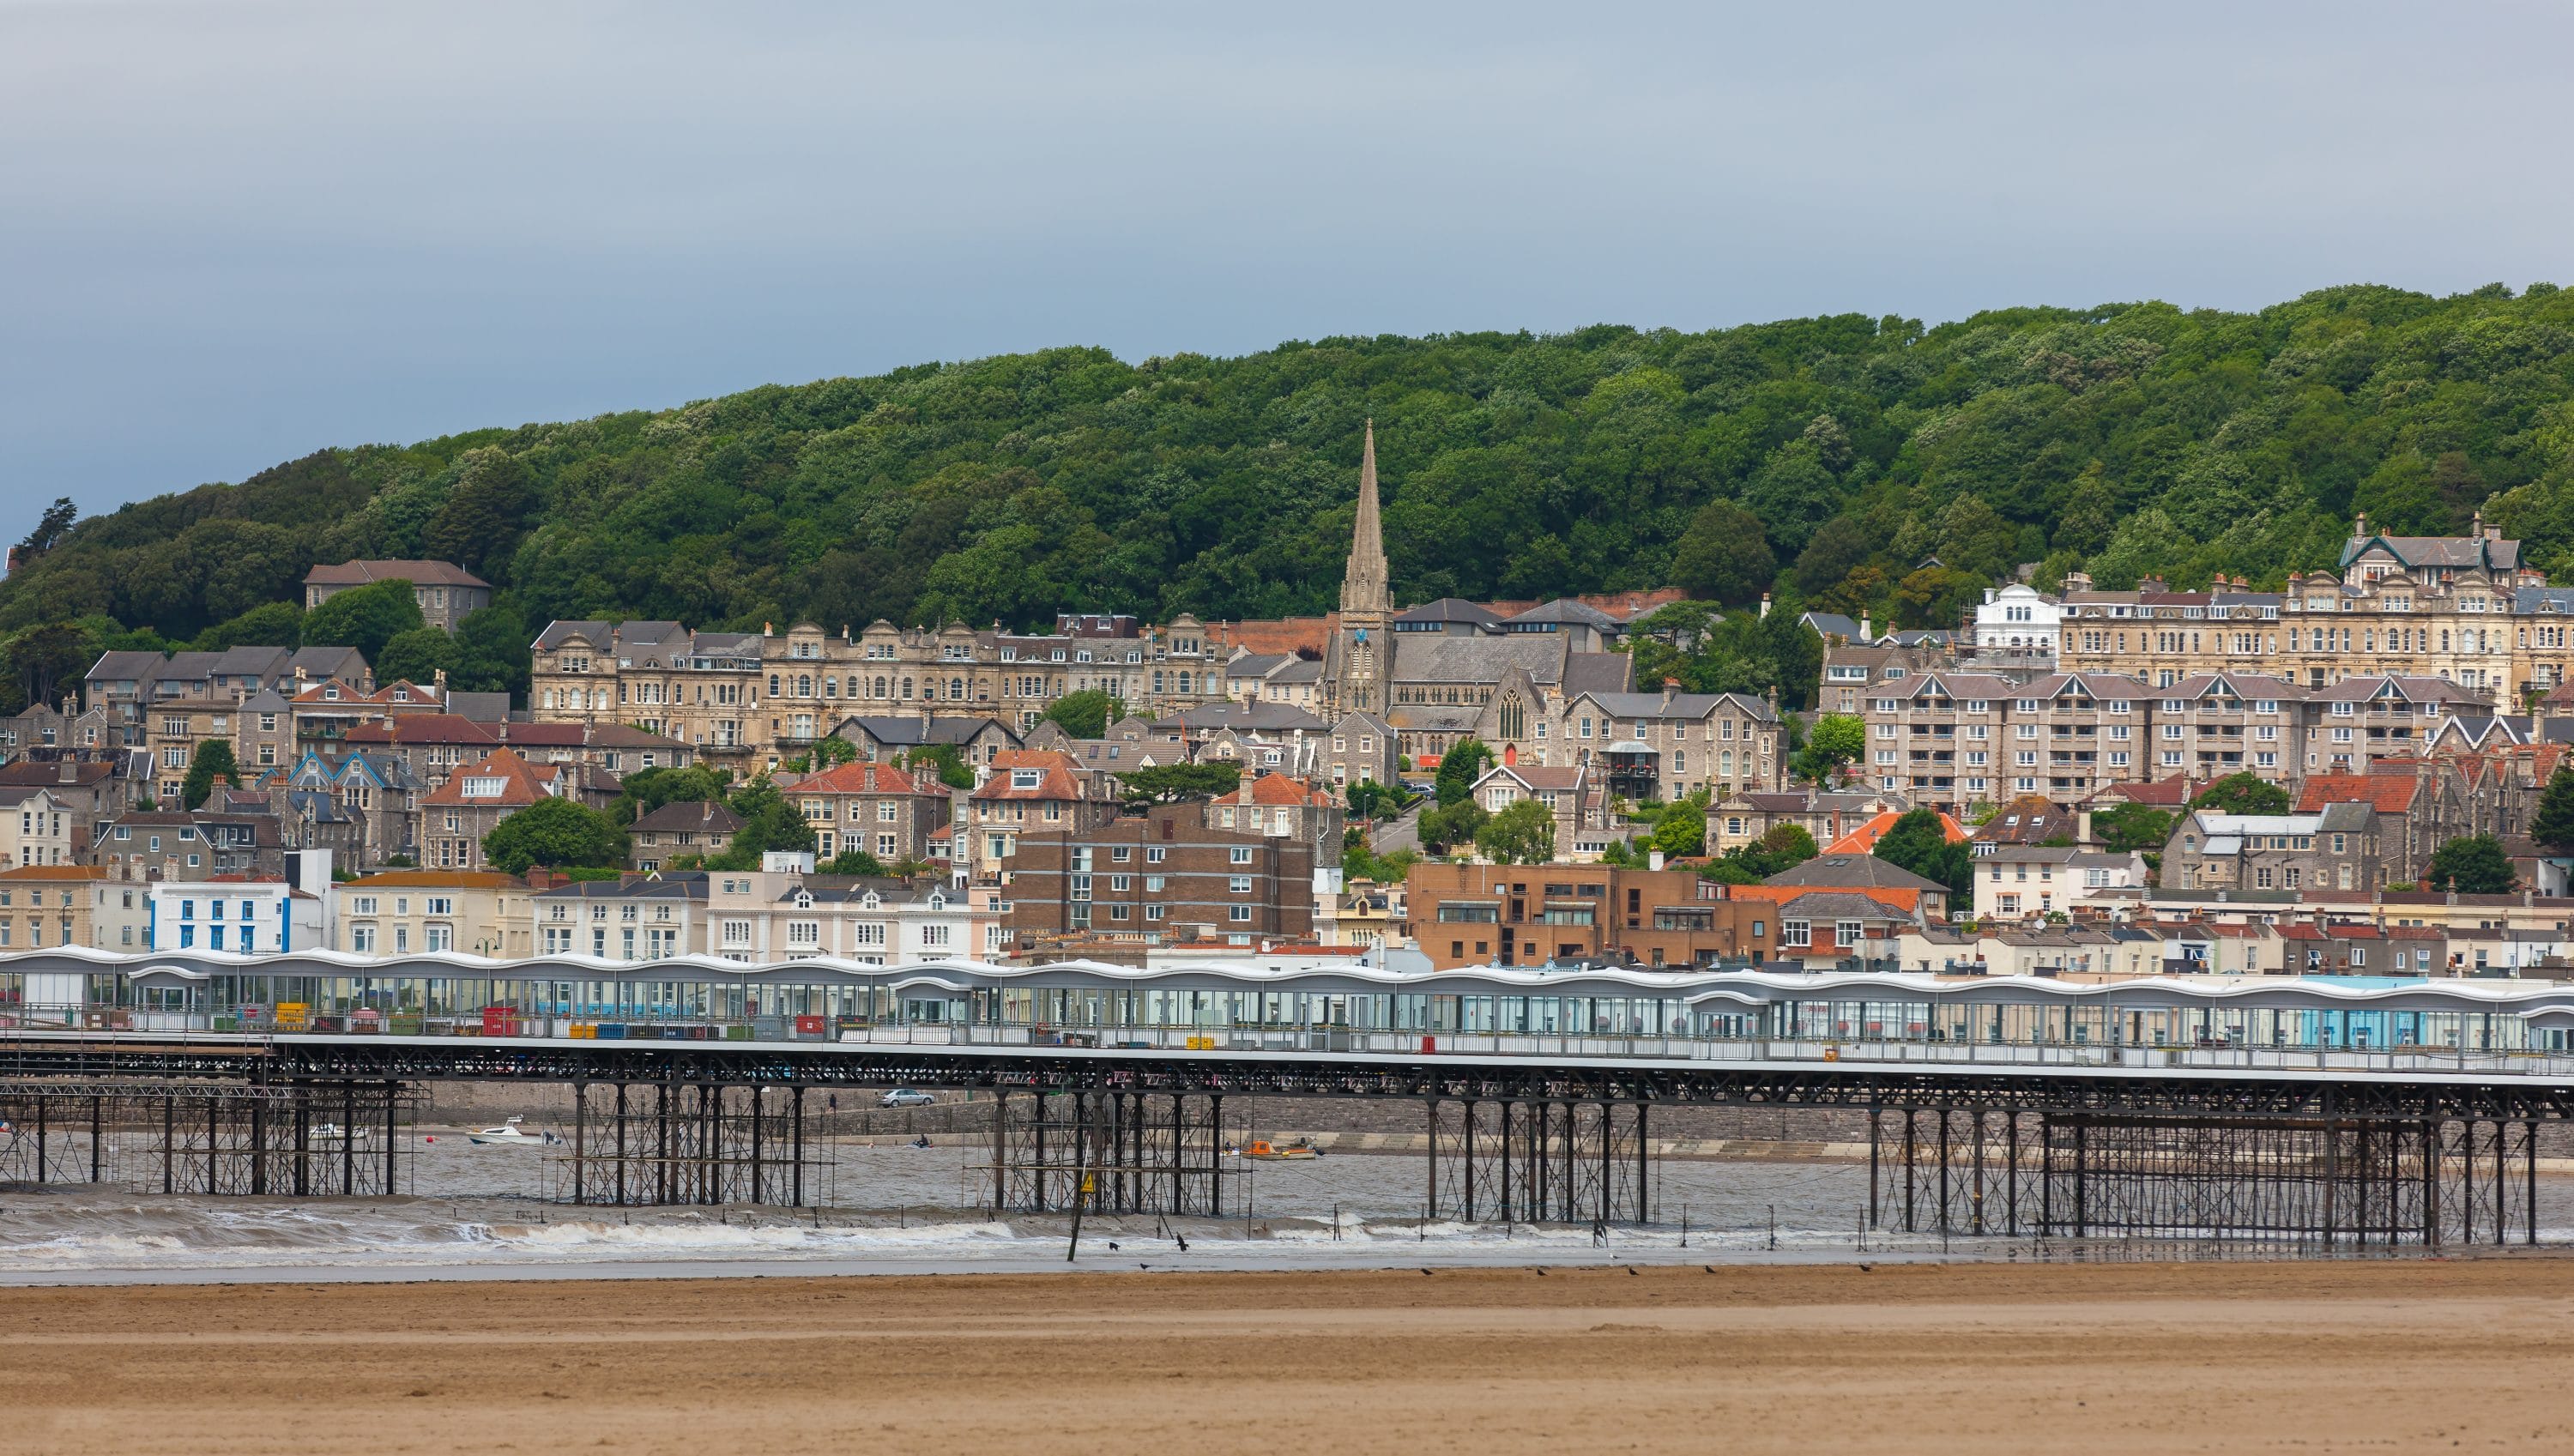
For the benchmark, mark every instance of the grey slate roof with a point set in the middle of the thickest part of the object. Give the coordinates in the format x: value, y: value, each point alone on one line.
x: 1598, y: 673
x: 1688, y: 706
x: 1566, y: 611
x: 1252, y: 718
x: 704, y: 817
x: 1850, y: 871
x: 1449, y: 608
x: 1826, y: 904
x: 1440, y: 657
x: 911, y: 732
x: 479, y: 707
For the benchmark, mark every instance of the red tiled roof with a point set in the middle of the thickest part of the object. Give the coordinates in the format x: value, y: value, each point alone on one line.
x: 2386, y: 792
x: 865, y: 777
x: 542, y: 735
x: 522, y: 784
x: 2173, y: 792
x: 1862, y: 841
x: 425, y: 728
x: 55, y: 871
x: 1280, y: 789
x: 1057, y: 774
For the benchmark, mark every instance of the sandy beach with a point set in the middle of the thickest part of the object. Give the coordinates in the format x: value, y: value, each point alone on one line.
x: 2405, y: 1356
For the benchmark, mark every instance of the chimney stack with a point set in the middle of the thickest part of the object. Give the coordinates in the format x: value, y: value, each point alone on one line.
x: 1865, y: 635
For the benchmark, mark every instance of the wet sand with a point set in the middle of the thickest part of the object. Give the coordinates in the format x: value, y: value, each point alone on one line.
x: 2409, y: 1355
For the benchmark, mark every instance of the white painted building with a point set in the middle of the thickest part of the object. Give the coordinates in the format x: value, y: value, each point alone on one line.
x: 2019, y: 619
x: 235, y: 916
x: 2029, y: 882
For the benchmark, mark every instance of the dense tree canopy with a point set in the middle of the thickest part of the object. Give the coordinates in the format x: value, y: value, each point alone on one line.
x: 365, y: 618
x: 2471, y: 865
x: 2553, y: 826
x: 2242, y: 794
x: 212, y: 761
x: 1919, y: 842
x: 1523, y: 833
x: 2126, y: 440
x: 1086, y: 714
x: 557, y: 833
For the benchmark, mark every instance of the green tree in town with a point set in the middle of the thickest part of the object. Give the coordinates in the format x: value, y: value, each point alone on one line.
x: 1449, y: 825
x: 483, y: 517
x: 1919, y: 841
x: 1724, y: 555
x: 1523, y: 833
x: 1836, y: 741
x: 51, y: 528
x: 768, y: 823
x: 1782, y: 848
x: 946, y: 759
x: 1681, y: 828
x: 212, y: 761
x: 2242, y: 794
x: 646, y: 790
x: 854, y: 861
x: 2137, y: 828
x: 44, y: 663
x: 417, y: 656
x: 1086, y: 715
x: 1360, y: 862
x: 554, y: 832
x: 827, y: 752
x: 365, y: 618
x: 269, y: 625
x: 1459, y: 767
x: 492, y: 651
x: 2552, y: 827
x: 1173, y: 782
x: 2471, y: 865
x: 1370, y: 799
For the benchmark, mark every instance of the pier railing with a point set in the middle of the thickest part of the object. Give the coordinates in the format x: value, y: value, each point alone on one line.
x: 186, y: 1028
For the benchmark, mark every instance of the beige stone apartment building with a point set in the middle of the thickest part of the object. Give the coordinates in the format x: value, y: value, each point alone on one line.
x: 755, y: 698
x: 2465, y: 609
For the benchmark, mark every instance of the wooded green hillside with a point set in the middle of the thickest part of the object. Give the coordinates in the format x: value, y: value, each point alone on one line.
x: 2131, y: 439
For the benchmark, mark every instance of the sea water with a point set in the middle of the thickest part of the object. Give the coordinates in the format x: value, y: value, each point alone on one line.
x: 485, y: 1211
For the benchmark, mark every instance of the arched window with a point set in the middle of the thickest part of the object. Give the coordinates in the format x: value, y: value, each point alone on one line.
x: 1514, y: 718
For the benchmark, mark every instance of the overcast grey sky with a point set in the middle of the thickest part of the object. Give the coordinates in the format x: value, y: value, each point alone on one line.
x: 233, y: 233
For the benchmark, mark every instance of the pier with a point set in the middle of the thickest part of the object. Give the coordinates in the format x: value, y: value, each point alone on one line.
x: 2271, y: 1108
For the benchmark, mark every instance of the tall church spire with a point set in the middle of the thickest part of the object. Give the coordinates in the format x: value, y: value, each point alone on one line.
x: 1364, y: 591
x: 1356, y: 663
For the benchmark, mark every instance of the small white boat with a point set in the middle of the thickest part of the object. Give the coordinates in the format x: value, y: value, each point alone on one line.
x: 507, y: 1135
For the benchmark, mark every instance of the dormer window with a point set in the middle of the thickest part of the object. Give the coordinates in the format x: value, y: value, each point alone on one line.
x: 1025, y: 778
x: 481, y: 788
x: 330, y: 693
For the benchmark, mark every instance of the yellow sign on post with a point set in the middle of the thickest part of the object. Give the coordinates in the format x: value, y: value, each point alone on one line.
x: 1089, y: 1185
